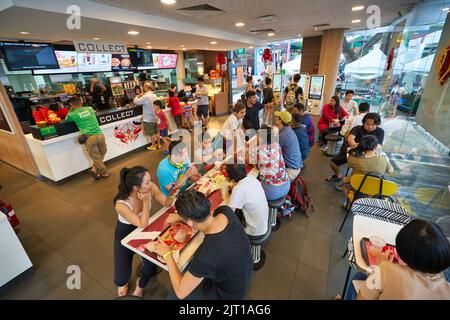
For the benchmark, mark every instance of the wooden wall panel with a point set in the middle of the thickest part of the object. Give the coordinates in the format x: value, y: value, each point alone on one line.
x: 14, y: 149
x: 310, y: 54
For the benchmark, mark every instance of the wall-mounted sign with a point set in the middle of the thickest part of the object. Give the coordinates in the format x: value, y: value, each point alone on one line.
x: 4, y: 122
x: 240, y: 51
x: 118, y: 115
x: 97, y: 47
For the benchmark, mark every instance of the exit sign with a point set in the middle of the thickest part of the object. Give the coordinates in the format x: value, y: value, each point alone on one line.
x: 240, y: 51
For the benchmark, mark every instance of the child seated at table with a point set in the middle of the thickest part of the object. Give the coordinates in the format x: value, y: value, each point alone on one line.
x: 206, y: 156
x: 226, y: 136
x: 248, y: 195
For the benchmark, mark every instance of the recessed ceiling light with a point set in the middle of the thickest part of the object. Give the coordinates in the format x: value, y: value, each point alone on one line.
x: 148, y: 43
x: 213, y: 42
x: 168, y: 2
x: 299, y: 35
x: 316, y: 29
x: 446, y: 9
x: 271, y: 34
x: 357, y: 8
x: 250, y: 47
x: 149, y: 47
x: 24, y: 32
x: 184, y: 49
x: 133, y: 33
x: 182, y: 46
x: 96, y: 39
x: 356, y: 21
x: 240, y: 24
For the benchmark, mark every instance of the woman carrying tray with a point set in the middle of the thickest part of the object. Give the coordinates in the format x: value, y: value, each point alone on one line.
x: 133, y: 204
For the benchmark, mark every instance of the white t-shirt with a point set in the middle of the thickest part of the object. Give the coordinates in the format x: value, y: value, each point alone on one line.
x: 203, y: 95
x: 351, y: 107
x: 148, y: 110
x: 230, y: 125
x: 357, y: 120
x: 248, y: 195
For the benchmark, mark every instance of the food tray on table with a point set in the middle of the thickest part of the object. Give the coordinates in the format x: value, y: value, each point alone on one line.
x: 370, y: 260
x: 178, y: 235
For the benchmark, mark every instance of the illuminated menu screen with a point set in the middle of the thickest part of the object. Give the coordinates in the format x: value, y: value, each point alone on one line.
x: 316, y: 87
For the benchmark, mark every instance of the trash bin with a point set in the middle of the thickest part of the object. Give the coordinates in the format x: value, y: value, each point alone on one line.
x: 335, y: 142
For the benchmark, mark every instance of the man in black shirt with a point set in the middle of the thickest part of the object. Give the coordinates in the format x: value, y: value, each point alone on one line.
x: 253, y: 107
x: 222, y: 266
x: 371, y: 123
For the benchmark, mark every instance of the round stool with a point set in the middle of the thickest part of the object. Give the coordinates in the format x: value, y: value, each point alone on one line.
x: 274, y: 205
x: 259, y: 256
x: 334, y: 144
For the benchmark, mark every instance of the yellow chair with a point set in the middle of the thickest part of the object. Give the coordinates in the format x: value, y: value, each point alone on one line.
x: 368, y: 186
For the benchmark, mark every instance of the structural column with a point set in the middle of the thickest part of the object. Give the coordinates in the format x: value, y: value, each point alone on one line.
x: 181, y: 71
x: 330, y: 52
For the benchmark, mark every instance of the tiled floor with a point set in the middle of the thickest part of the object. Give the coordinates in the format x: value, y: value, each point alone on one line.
x: 72, y: 223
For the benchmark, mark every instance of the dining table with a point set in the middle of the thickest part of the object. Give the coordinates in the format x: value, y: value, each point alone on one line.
x: 138, y: 240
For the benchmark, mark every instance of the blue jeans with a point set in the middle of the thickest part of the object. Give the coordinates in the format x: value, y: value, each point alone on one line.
x: 276, y: 192
x: 351, y: 291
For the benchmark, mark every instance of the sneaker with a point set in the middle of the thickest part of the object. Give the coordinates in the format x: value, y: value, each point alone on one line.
x: 324, y: 148
x: 334, y: 178
x: 152, y: 148
x: 338, y: 187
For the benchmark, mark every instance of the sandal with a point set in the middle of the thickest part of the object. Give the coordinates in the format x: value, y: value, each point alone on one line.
x: 137, y: 286
x: 122, y: 291
x: 334, y: 178
x: 95, y: 175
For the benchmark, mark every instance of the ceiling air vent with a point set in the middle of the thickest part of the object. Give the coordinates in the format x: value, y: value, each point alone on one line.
x: 203, y: 10
x: 256, y: 31
x: 268, y: 19
x: 202, y: 7
x: 321, y: 25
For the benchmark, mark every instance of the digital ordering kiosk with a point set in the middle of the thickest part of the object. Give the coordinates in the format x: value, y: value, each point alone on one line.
x: 314, y: 89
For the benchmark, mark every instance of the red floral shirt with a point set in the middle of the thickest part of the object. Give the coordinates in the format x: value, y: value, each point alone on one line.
x: 270, y: 162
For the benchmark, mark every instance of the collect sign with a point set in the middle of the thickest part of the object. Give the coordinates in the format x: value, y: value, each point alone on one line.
x: 96, y: 47
x: 119, y: 115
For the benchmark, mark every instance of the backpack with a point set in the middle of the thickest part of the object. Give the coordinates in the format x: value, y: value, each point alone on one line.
x: 287, y: 209
x: 300, y: 197
x: 291, y: 98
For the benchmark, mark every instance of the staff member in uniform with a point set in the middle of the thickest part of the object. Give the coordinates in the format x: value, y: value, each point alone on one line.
x: 87, y: 122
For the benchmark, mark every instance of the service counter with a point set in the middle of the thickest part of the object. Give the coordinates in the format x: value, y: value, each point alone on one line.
x: 62, y: 156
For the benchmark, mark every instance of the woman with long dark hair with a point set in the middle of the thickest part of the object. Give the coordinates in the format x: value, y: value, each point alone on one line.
x: 133, y: 203
x: 332, y: 116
